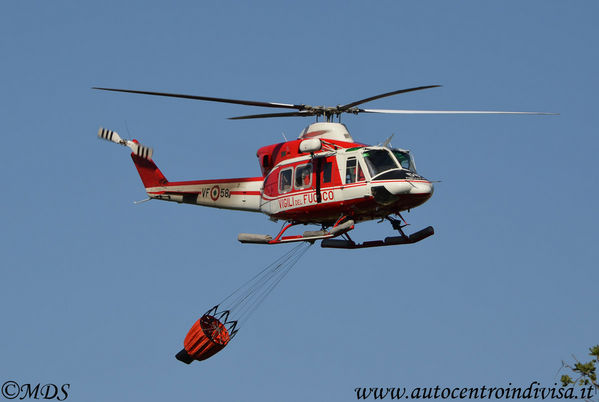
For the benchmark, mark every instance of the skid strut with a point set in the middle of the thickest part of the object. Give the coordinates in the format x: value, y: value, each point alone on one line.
x: 309, y: 236
x: 389, y: 241
x: 397, y: 224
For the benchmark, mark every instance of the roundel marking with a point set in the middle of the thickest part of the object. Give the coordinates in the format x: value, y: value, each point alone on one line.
x: 214, y: 193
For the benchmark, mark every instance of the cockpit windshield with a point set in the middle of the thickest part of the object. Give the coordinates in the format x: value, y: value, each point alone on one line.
x: 378, y: 161
x: 403, y: 158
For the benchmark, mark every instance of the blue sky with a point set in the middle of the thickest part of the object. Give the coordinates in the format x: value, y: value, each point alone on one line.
x: 99, y: 293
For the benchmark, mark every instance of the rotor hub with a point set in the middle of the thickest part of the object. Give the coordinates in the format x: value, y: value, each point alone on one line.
x: 326, y: 130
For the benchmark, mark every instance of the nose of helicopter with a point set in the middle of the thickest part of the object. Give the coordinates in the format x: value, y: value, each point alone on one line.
x: 420, y: 187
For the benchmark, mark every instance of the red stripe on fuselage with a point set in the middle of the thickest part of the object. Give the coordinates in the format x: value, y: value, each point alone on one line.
x: 217, y: 181
x: 341, y: 187
x: 197, y: 192
x: 357, y: 208
x: 245, y: 192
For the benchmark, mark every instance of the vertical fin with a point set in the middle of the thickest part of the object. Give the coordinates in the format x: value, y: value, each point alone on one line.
x: 150, y: 175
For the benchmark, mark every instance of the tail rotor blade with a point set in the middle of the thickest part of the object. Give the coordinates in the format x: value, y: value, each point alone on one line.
x: 137, y: 148
x: 109, y: 135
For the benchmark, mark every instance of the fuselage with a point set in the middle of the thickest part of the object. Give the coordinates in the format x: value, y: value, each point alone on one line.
x: 343, y: 178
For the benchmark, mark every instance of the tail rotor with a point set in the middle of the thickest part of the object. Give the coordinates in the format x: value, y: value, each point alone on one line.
x: 138, y: 149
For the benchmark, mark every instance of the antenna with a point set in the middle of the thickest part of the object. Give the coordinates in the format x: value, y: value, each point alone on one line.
x: 140, y: 201
x: 387, y: 141
x: 127, y: 127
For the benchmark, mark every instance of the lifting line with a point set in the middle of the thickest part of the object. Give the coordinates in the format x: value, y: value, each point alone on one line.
x: 245, y: 300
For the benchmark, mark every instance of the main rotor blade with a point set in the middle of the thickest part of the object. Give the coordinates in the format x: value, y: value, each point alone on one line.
x: 401, y: 91
x: 207, y: 98
x: 392, y: 111
x: 287, y: 114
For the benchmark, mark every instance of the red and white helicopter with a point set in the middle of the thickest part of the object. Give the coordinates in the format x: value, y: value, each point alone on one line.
x: 323, y: 177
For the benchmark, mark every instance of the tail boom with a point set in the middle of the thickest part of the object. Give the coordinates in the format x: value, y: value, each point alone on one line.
x: 240, y: 194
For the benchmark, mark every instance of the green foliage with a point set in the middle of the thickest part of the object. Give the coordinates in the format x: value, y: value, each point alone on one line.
x: 566, y: 380
x: 586, y: 373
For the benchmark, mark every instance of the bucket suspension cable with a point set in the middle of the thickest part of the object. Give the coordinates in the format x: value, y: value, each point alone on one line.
x: 263, y: 285
x: 213, y: 331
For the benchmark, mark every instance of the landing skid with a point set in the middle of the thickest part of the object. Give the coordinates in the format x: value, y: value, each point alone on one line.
x: 309, y: 236
x: 389, y: 241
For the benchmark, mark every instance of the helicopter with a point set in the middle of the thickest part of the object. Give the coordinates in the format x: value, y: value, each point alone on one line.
x: 323, y: 177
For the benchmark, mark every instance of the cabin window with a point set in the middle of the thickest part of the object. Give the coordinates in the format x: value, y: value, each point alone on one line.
x: 303, y: 176
x: 353, y: 173
x: 285, y: 178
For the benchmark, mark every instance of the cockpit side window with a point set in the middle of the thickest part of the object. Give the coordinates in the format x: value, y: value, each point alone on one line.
x: 353, y: 173
x: 360, y: 172
x: 350, y: 170
x: 285, y: 178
